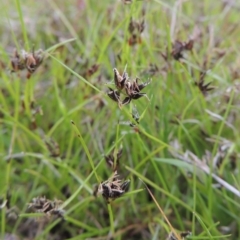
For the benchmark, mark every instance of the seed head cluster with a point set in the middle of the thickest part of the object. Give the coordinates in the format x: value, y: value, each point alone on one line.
x: 131, y: 89
x: 27, y: 60
x: 44, y: 205
x: 112, y: 188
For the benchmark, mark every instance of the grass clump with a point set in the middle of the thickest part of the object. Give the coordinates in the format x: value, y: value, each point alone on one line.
x: 169, y: 160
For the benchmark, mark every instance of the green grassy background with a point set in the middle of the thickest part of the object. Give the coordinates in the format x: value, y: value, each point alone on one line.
x: 177, y: 120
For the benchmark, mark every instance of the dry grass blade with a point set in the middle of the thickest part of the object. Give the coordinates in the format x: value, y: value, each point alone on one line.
x: 192, y: 159
x: 161, y: 211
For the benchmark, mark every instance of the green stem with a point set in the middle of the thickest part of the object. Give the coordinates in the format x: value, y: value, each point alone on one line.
x: 86, y: 151
x: 24, y: 31
x: 111, y: 219
x: 116, y: 148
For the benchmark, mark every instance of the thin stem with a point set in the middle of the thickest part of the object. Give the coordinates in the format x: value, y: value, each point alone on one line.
x: 86, y: 150
x: 111, y: 219
x: 24, y: 31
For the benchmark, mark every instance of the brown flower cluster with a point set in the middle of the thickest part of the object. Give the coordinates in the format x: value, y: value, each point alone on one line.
x: 135, y: 29
x: 112, y: 188
x: 127, y: 1
x: 112, y: 162
x: 44, y: 205
x: 203, y: 87
x: 27, y: 60
x: 179, y: 47
x: 182, y: 235
x: 132, y: 89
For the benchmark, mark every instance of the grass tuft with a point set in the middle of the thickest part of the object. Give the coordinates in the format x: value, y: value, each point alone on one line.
x: 94, y: 97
